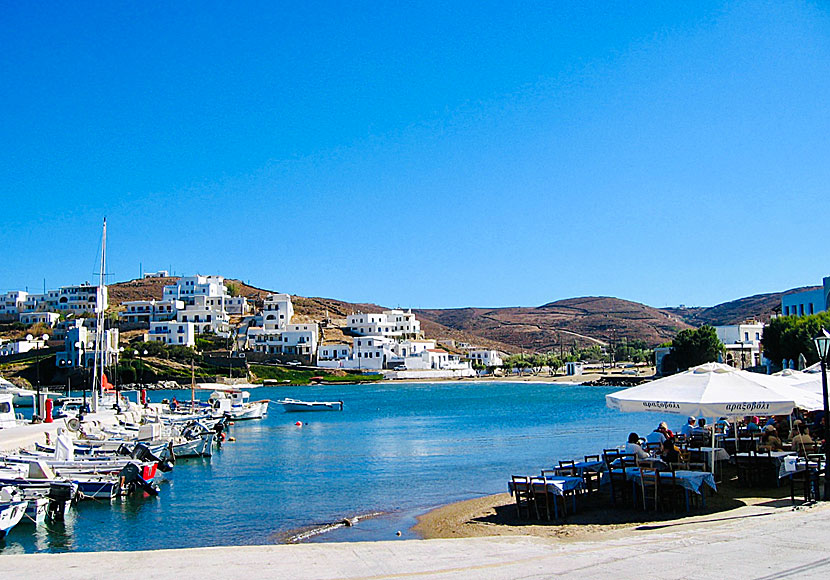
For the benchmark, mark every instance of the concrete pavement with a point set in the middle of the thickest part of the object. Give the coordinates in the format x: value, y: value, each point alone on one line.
x: 752, y: 542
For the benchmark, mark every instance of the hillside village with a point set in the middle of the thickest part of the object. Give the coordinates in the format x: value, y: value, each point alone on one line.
x: 265, y: 327
x: 262, y: 328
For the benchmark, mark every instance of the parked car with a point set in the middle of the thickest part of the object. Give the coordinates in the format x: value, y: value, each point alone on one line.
x: 400, y: 368
x: 294, y: 363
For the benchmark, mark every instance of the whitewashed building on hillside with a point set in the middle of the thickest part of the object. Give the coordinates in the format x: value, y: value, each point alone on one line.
x: 81, y: 299
x: 390, y: 323
x: 188, y: 287
x: 147, y: 311
x: 487, y: 357
x: 277, y: 312
x: 173, y: 333
x: 204, y: 316
x: 47, y: 318
x: 299, y: 339
x: 11, y: 304
x: 237, y: 305
x: 742, y: 343
x: 20, y: 346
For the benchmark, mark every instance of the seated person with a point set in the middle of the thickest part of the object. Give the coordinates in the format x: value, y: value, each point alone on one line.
x: 770, y: 440
x: 803, y: 442
x: 701, y: 428
x: 794, y: 430
x: 664, y: 429
x: 656, y: 436
x: 686, y: 429
x: 633, y: 446
x: 670, y: 453
x: 752, y: 426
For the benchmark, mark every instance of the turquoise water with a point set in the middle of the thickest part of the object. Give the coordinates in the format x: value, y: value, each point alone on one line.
x: 399, y: 449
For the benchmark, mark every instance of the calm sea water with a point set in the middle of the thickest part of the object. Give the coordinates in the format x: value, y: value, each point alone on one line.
x: 399, y: 449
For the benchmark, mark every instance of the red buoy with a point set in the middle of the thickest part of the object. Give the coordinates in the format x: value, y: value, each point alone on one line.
x: 299, y: 423
x: 48, y: 413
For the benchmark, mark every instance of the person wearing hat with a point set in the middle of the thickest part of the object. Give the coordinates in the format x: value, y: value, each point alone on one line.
x: 794, y: 430
x: 770, y: 439
x: 686, y: 430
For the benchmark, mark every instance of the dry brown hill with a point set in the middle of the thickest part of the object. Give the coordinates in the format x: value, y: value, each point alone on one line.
x: 759, y: 307
x: 584, y: 321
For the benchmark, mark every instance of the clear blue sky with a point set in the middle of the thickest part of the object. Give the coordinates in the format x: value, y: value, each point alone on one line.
x: 420, y: 154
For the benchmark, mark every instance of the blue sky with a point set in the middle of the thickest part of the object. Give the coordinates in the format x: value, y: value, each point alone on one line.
x: 420, y: 154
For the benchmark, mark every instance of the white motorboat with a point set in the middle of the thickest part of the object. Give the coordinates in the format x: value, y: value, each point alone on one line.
x: 293, y: 405
x: 12, y: 508
x: 21, y: 397
x: 236, y: 403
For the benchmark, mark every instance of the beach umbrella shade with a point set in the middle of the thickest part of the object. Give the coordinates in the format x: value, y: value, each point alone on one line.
x: 711, y: 390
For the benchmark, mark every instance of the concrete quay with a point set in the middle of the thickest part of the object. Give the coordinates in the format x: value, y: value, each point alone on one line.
x: 761, y: 541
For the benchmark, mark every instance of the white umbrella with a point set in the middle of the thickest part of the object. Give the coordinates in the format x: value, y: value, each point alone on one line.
x: 711, y: 390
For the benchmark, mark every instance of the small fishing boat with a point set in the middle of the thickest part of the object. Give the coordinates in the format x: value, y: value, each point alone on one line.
x: 234, y: 402
x: 294, y: 406
x: 12, y: 508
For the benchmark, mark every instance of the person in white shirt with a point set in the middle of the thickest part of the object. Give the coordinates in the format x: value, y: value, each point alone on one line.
x: 633, y: 446
x: 686, y: 429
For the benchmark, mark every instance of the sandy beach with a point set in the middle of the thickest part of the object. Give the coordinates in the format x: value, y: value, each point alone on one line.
x: 496, y: 515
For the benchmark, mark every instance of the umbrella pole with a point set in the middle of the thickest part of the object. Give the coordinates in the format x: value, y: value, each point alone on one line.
x: 712, y: 454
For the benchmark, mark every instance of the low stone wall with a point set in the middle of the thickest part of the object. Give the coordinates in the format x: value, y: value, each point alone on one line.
x: 430, y: 374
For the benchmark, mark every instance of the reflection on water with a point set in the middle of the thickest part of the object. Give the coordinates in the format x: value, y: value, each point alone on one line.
x: 397, y: 449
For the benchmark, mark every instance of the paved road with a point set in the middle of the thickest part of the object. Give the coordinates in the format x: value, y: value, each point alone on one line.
x: 761, y: 542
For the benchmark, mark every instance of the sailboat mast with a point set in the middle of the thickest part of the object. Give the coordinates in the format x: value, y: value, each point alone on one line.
x: 100, y: 347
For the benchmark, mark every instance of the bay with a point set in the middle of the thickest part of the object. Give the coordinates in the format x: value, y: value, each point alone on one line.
x: 399, y: 449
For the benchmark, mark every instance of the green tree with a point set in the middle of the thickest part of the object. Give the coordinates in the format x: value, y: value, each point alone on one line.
x: 786, y: 337
x: 695, y: 347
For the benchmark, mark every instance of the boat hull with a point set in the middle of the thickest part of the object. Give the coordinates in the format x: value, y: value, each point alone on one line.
x: 292, y: 406
x: 10, y: 514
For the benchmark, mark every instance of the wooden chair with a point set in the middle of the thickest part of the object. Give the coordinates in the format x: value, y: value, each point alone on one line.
x: 523, y: 494
x: 766, y: 470
x: 672, y: 494
x: 616, y: 478
x: 747, y: 476
x: 653, y: 447
x: 650, y: 486
x: 568, y: 468
x: 591, y: 477
x: 541, y: 497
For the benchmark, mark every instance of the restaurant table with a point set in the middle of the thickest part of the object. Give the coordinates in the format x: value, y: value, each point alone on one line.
x: 557, y: 486
x: 777, y: 460
x: 688, y: 480
x: 582, y: 466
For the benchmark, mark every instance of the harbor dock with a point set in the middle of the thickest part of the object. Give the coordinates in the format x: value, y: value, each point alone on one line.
x: 751, y: 542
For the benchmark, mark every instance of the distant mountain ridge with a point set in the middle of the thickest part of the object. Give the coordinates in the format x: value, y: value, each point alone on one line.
x: 556, y: 325
x: 759, y: 307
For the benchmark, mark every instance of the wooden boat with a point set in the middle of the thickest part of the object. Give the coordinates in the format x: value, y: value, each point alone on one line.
x: 295, y: 406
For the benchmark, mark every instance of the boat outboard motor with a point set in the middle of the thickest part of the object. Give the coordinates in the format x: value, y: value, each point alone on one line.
x: 131, y: 481
x: 60, y: 493
x: 142, y: 453
x: 124, y: 450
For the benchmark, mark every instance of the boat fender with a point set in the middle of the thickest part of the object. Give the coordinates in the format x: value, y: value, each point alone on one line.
x: 222, y: 436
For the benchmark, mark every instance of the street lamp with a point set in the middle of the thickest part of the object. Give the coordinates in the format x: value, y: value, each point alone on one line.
x: 141, y: 356
x: 823, y: 347
x: 118, y: 352
x: 29, y: 338
x: 81, y: 346
x: 742, y: 352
